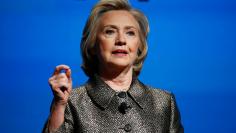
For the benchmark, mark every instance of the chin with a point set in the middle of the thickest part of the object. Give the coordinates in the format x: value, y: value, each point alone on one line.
x: 120, y: 64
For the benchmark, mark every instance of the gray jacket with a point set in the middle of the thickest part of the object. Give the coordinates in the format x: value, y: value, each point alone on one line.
x: 96, y: 108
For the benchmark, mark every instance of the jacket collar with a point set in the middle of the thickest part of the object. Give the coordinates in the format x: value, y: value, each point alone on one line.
x: 102, y: 94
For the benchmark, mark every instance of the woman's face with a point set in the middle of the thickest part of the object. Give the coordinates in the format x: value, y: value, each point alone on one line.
x: 118, y: 39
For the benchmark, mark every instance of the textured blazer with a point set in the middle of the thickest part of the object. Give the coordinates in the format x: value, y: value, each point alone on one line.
x: 96, y: 108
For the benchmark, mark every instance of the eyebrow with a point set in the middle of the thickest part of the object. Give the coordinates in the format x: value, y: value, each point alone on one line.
x: 115, y: 27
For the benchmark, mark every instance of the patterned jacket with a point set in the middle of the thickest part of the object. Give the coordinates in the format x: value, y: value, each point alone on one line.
x: 96, y: 108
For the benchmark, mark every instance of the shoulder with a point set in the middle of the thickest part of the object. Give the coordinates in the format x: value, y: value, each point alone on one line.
x: 161, y: 96
x: 157, y: 93
x: 78, y: 94
x: 157, y: 98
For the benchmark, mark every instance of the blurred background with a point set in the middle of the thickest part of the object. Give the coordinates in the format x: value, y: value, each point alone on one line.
x: 192, y: 47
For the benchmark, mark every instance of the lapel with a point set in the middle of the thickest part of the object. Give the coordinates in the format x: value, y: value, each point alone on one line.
x: 102, y: 94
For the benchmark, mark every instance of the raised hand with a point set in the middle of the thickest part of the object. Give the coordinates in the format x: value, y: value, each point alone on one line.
x: 61, y: 84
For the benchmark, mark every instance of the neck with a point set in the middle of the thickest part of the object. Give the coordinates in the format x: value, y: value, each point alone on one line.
x: 118, y: 80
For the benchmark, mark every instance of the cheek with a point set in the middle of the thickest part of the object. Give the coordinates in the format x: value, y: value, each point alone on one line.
x: 104, y: 46
x: 134, y: 47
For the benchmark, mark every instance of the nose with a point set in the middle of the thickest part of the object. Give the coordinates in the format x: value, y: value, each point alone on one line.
x: 120, y: 39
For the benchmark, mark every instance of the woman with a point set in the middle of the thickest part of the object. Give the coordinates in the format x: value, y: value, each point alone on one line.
x: 113, y: 100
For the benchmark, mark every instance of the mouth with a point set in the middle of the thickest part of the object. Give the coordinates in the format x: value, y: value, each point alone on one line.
x: 120, y: 51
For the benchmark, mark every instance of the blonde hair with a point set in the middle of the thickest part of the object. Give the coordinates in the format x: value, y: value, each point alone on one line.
x: 89, y: 38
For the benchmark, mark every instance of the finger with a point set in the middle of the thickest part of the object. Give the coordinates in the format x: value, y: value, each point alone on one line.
x: 62, y: 82
x: 61, y: 87
x: 61, y: 76
x: 67, y: 93
x: 51, y: 80
x: 58, y: 92
x: 68, y: 73
x: 59, y: 68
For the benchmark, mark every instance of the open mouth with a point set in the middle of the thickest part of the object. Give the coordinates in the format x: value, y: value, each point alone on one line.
x: 119, y: 51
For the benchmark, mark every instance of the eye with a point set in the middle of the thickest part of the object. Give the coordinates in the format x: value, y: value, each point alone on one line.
x: 130, y: 33
x: 109, y: 32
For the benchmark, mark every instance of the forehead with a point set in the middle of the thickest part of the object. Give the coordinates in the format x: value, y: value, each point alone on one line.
x: 119, y: 18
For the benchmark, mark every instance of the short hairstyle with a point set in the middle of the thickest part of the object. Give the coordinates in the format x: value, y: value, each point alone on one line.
x: 89, y: 38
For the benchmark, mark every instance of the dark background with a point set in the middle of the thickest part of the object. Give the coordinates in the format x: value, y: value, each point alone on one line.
x: 192, y: 47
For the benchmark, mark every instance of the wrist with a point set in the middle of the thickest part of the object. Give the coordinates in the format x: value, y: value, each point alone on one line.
x: 57, y: 101
x: 58, y: 106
